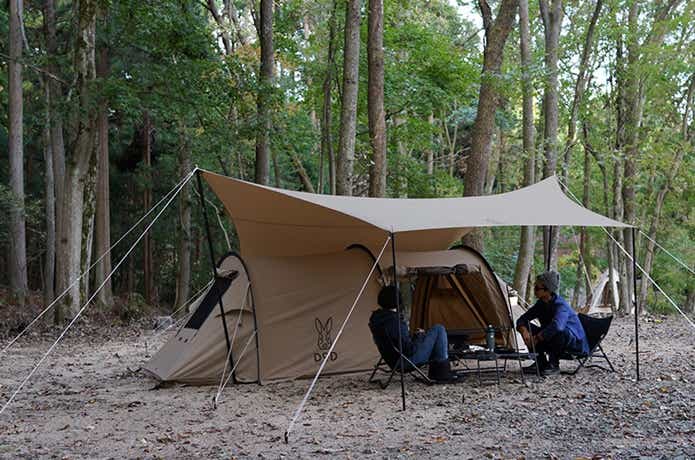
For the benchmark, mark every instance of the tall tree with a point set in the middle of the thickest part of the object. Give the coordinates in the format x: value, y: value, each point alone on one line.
x: 348, y: 112
x: 639, y: 53
x: 496, y: 33
x: 327, y: 152
x: 148, y: 242
x: 551, y: 14
x: 583, y: 274
x: 49, y: 265
x: 687, y: 142
x: 580, y: 86
x: 72, y: 236
x: 102, y: 238
x: 57, y: 144
x: 185, y: 243
x: 18, y: 252
x: 375, y: 98
x: 527, y: 243
x: 265, y: 89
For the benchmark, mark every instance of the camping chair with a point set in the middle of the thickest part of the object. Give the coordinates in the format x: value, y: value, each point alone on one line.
x: 390, y: 366
x: 595, y: 330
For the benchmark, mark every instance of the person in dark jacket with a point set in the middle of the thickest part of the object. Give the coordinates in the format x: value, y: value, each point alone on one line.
x: 425, y: 346
x: 560, y: 329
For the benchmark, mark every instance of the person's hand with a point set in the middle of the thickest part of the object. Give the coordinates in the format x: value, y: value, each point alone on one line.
x: 525, y: 335
x: 419, y: 331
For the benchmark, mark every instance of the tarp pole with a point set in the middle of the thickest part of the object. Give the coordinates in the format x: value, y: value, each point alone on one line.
x: 634, y: 290
x: 549, y: 248
x: 214, y: 269
x: 398, y: 309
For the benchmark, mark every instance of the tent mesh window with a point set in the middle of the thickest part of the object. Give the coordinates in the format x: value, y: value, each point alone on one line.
x: 210, y: 301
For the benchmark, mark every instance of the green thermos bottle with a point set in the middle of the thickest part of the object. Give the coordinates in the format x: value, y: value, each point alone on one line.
x: 490, y: 337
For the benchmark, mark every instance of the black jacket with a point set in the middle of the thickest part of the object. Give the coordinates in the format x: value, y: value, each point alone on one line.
x: 384, y: 325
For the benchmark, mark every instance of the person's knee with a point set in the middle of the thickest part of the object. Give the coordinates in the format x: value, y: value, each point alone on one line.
x: 439, y: 328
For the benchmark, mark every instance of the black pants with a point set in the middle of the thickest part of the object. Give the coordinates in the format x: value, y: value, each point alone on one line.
x: 553, y: 347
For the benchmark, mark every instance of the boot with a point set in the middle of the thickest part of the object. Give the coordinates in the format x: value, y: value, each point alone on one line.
x: 440, y: 371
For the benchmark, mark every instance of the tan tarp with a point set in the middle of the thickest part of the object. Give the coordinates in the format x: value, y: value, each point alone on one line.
x: 278, y: 222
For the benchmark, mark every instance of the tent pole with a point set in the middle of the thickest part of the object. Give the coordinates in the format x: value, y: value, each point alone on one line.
x: 635, y: 301
x: 398, y: 309
x: 214, y: 269
x: 549, y: 248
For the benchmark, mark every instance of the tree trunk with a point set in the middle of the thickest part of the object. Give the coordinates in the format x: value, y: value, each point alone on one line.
x: 183, y: 274
x: 429, y: 153
x: 583, y: 276
x: 103, y: 214
x: 451, y: 143
x: 264, y: 94
x: 496, y: 34
x: 57, y: 143
x: 552, y: 22
x: 690, y: 298
x: 635, y: 81
x: 348, y: 112
x: 527, y: 241
x: 579, y: 88
x: 148, y: 266
x: 621, y: 259
x: 88, y: 218
x: 496, y: 159
x: 375, y: 98
x: 607, y: 210
x: 49, y: 265
x: 19, y: 284
x: 661, y: 196
x: 70, y: 241
x: 301, y: 173
x: 631, y: 149
x: 327, y: 112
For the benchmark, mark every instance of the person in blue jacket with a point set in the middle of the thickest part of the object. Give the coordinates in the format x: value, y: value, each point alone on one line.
x: 429, y: 346
x: 560, y: 329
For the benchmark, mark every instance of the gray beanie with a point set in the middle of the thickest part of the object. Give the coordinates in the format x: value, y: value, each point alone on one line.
x: 549, y: 279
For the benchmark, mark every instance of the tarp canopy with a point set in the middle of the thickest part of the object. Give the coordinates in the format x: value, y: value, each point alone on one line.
x: 278, y: 222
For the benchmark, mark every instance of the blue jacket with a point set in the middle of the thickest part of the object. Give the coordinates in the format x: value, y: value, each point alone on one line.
x: 557, y: 317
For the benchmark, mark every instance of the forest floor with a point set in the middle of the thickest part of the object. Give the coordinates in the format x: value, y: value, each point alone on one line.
x: 89, y: 401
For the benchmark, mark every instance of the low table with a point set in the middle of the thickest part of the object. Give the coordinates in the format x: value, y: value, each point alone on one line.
x: 496, y: 356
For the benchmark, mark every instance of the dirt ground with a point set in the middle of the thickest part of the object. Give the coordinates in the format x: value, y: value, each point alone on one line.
x: 89, y: 400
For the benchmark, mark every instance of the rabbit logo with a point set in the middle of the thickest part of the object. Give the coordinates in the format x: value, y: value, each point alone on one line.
x: 324, y: 341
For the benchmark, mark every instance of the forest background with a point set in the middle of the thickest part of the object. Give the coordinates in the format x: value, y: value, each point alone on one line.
x: 107, y: 104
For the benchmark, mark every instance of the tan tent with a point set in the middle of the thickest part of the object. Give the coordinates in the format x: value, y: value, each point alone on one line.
x: 302, y: 280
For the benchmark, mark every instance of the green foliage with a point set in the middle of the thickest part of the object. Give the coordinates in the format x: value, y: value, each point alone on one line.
x: 167, y: 61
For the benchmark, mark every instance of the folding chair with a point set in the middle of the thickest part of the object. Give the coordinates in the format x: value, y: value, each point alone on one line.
x: 389, y: 362
x: 595, y: 330
x: 408, y: 368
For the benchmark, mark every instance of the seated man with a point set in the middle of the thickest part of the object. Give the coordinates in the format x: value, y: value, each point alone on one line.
x: 560, y: 327
x: 423, y: 347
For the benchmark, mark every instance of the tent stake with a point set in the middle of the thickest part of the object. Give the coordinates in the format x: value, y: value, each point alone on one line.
x: 398, y: 309
x: 634, y: 291
x: 214, y: 269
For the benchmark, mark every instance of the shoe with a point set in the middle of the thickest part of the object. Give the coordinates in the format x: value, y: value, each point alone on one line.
x: 551, y: 370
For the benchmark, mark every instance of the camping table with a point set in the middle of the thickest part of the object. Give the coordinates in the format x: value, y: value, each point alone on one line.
x: 496, y: 356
